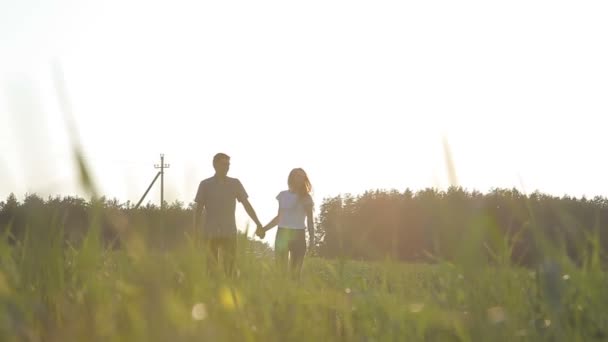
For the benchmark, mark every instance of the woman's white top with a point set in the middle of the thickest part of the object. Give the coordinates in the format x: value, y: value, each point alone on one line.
x: 292, y: 209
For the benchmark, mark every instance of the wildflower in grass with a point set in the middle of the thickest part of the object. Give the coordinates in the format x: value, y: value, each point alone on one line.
x: 521, y: 333
x: 416, y: 307
x: 199, y: 312
x: 496, y: 314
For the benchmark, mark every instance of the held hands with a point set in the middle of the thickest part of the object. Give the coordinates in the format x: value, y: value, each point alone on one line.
x: 260, y: 232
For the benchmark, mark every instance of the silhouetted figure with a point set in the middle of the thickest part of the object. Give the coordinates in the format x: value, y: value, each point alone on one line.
x: 294, y: 216
x: 217, y: 196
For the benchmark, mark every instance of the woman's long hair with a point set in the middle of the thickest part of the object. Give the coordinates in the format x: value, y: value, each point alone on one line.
x: 301, y: 189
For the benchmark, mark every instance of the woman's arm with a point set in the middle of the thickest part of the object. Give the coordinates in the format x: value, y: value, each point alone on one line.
x: 261, y: 232
x: 271, y: 224
x: 311, y: 227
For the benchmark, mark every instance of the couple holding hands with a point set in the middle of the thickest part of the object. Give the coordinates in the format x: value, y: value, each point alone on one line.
x: 216, y: 197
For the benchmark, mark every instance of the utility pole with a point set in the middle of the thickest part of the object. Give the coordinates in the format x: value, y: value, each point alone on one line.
x: 162, y: 168
x: 160, y: 173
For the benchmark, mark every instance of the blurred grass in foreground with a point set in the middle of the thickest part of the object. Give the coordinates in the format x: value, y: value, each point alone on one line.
x: 51, y: 293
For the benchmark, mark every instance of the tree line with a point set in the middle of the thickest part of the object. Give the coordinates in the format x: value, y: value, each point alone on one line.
x: 503, y: 225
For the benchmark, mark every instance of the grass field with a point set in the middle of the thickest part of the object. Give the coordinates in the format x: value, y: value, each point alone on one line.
x: 50, y: 292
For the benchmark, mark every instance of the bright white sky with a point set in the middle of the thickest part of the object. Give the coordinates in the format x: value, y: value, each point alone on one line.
x: 358, y: 93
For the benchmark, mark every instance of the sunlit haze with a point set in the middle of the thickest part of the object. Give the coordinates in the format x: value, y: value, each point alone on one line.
x: 358, y: 93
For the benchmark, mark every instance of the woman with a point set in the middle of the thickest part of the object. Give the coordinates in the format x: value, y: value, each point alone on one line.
x: 295, y: 207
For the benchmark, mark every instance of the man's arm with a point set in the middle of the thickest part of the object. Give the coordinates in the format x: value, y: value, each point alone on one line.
x: 241, y: 196
x: 251, y: 212
x: 199, y: 205
x: 198, y: 214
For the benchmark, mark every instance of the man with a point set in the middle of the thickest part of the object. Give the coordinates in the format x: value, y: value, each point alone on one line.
x: 217, y: 196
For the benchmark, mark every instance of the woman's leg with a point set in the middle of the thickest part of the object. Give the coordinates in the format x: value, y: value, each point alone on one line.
x: 281, y: 249
x: 297, y: 249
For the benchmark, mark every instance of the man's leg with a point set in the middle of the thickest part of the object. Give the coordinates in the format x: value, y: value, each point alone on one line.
x: 229, y: 254
x: 211, y: 246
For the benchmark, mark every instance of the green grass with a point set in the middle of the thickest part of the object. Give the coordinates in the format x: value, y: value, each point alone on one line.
x: 53, y: 293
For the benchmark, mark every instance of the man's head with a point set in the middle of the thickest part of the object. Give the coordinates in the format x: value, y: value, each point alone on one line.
x: 221, y: 164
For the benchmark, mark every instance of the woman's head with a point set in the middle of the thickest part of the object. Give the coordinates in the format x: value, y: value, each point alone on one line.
x: 298, y: 182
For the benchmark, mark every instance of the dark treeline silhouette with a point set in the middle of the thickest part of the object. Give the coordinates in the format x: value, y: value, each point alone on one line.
x: 71, y: 219
x: 504, y: 226
x: 74, y: 217
x: 408, y: 226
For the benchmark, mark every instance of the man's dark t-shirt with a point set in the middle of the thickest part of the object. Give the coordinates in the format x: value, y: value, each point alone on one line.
x: 218, y: 197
